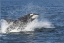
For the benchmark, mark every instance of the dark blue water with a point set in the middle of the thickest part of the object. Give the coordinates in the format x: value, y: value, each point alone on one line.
x: 51, y: 10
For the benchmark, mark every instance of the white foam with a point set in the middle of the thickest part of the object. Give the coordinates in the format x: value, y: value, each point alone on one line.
x: 30, y: 26
x: 38, y: 24
x: 4, y: 25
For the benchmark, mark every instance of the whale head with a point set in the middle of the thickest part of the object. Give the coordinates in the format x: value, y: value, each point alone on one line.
x: 33, y: 16
x: 29, y: 17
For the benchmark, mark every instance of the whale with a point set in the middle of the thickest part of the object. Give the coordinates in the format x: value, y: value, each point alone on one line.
x: 21, y: 22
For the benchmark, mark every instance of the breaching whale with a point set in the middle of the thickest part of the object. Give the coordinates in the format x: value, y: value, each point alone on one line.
x: 21, y: 22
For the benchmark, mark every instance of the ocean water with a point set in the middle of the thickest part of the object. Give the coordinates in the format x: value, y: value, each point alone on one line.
x: 48, y: 28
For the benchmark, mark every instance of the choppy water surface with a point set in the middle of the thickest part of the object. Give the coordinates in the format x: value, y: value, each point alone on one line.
x: 51, y: 12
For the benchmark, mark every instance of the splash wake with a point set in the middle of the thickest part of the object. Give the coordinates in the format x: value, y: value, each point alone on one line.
x: 30, y: 26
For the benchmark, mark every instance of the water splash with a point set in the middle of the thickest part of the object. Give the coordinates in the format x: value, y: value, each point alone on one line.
x: 4, y: 25
x: 29, y: 8
x: 38, y: 24
x: 30, y: 26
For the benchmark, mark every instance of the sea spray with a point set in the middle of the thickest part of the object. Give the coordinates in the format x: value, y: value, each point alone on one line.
x: 38, y: 24
x: 29, y: 27
x: 4, y: 25
x: 29, y: 8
